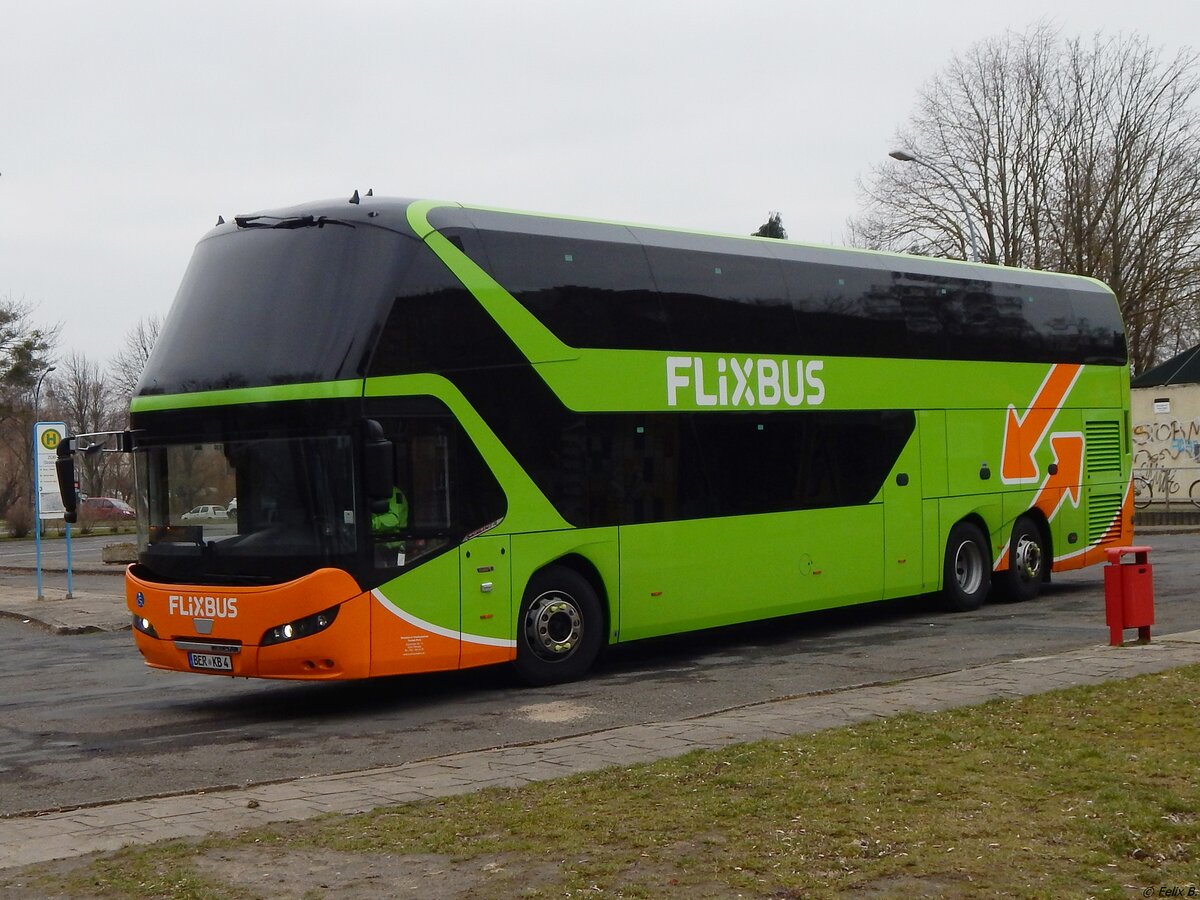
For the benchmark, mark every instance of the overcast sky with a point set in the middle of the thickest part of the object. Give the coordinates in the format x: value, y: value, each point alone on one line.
x: 127, y: 128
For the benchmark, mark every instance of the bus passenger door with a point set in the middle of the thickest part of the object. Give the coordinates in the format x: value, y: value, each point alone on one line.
x: 486, y: 600
x: 902, y: 524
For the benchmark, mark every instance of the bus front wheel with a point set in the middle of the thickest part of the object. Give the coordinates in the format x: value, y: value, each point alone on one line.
x: 561, y: 627
x: 966, y: 572
x: 1027, y: 562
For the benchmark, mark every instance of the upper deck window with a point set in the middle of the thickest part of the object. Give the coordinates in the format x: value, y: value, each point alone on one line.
x: 603, y: 285
x: 264, y: 306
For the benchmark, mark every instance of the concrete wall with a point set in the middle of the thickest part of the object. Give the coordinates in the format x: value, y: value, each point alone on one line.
x: 1169, y: 436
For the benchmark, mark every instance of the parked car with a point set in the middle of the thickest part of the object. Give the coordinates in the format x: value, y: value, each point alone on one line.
x: 231, y: 508
x: 105, y: 509
x: 213, y: 512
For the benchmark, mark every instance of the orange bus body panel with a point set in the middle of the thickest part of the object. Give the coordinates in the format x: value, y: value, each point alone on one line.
x: 400, y: 647
x: 367, y: 638
x: 224, y: 614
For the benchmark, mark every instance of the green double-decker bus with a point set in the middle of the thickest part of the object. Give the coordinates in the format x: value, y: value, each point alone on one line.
x: 397, y: 436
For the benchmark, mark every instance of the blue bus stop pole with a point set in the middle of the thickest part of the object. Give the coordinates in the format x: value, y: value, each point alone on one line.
x: 37, y: 515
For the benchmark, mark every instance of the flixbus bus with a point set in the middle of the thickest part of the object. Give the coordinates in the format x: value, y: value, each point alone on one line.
x: 460, y: 436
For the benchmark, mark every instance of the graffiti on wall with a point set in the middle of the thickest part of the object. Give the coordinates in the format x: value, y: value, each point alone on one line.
x: 1166, y: 443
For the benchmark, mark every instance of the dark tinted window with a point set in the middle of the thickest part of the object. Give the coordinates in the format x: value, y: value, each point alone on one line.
x: 1102, y: 334
x: 270, y: 306
x: 588, y: 282
x: 606, y: 469
x: 723, y: 302
x: 781, y: 461
x: 589, y: 285
x: 292, y: 468
x: 444, y: 490
x: 435, y: 325
x: 871, y: 312
x: 843, y: 311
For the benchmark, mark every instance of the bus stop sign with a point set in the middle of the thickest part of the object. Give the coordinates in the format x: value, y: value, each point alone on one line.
x: 46, y: 438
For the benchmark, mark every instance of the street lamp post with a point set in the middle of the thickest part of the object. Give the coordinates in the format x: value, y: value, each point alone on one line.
x: 904, y: 156
x: 38, y: 390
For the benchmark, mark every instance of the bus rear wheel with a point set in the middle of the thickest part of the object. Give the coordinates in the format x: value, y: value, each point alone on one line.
x: 560, y: 629
x: 1027, y: 562
x: 966, y: 571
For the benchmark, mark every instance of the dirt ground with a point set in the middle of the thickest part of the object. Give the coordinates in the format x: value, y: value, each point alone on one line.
x: 274, y: 873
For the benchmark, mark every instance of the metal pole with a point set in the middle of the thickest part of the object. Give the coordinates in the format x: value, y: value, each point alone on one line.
x: 37, y: 487
x: 904, y: 156
x: 37, y: 510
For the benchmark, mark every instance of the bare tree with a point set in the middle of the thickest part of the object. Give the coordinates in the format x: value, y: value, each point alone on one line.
x: 127, y: 366
x: 125, y: 370
x: 84, y: 399
x: 1075, y: 156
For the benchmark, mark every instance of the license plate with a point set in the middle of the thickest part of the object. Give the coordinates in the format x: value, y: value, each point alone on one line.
x: 214, y: 661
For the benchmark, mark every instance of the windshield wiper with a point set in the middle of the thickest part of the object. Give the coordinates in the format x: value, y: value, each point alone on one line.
x: 265, y: 221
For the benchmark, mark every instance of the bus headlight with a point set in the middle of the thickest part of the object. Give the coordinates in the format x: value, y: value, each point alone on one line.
x: 142, y: 624
x: 300, y: 628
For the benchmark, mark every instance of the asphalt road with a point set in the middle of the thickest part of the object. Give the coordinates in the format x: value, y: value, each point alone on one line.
x: 85, y: 550
x: 83, y: 721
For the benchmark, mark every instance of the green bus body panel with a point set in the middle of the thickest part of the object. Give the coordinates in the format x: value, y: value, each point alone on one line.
x: 485, y: 586
x: 328, y: 390
x: 932, y: 425
x: 679, y: 576
x: 933, y: 540
x: 903, y: 550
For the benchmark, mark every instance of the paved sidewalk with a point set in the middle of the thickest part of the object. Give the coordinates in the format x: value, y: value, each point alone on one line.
x: 31, y: 839
x: 83, y: 612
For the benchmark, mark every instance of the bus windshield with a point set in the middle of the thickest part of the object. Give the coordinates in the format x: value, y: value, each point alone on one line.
x: 261, y: 306
x: 268, y: 509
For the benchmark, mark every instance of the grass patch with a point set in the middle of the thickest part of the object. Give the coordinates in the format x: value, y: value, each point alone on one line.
x: 1078, y: 792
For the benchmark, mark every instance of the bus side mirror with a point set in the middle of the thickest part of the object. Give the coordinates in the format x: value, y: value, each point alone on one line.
x: 379, y: 467
x: 64, y: 469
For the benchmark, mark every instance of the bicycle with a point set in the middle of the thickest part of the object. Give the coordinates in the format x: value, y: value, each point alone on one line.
x: 1143, y: 489
x: 1143, y: 493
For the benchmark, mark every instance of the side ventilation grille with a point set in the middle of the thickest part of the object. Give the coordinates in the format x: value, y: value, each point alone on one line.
x: 1103, y: 446
x: 1104, y: 520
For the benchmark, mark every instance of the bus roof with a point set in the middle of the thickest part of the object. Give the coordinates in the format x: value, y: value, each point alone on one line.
x: 413, y: 217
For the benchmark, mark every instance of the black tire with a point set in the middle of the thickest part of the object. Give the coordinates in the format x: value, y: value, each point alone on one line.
x: 966, y: 570
x: 1028, y: 562
x: 560, y: 629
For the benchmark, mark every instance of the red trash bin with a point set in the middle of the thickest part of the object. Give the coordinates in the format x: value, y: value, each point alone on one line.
x: 1128, y: 593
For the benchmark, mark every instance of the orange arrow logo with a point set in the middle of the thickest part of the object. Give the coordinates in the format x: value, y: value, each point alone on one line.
x: 1024, y: 434
x: 1061, y: 483
x: 1064, y: 481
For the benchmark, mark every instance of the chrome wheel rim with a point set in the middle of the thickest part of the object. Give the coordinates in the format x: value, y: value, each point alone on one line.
x: 553, y: 626
x: 1028, y: 558
x: 968, y: 567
